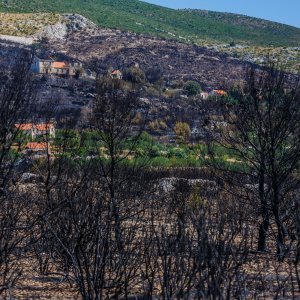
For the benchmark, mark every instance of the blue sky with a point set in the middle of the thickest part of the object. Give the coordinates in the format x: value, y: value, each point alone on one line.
x: 283, y: 11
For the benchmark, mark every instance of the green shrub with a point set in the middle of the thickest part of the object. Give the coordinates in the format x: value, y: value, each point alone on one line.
x: 182, y: 131
x: 192, y: 88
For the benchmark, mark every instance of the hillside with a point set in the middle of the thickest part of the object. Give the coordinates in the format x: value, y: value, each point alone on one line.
x: 25, y: 24
x: 186, y: 25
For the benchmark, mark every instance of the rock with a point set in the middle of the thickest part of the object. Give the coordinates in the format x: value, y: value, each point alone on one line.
x: 167, y: 185
x: 23, y: 165
x: 68, y: 24
x: 56, y: 31
x: 30, y: 178
x: 77, y: 22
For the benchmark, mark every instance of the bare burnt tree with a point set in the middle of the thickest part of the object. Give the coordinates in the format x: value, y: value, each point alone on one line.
x: 262, y: 133
x: 168, y: 270
x: 85, y: 248
x: 49, y: 168
x: 195, y: 245
x: 16, y: 98
x: 93, y: 210
x: 113, y: 117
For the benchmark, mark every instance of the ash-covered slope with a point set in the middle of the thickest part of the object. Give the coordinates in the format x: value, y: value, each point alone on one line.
x: 114, y: 48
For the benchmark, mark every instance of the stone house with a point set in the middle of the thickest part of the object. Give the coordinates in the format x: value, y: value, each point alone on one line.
x: 50, y: 66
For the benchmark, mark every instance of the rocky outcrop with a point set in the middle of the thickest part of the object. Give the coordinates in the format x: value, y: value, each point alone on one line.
x: 56, y: 31
x: 68, y: 24
x: 76, y: 22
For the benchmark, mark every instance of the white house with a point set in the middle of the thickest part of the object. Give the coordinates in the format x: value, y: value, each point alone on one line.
x: 204, y: 95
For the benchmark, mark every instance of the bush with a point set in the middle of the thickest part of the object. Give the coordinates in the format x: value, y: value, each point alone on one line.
x: 134, y: 75
x: 232, y: 44
x: 157, y: 125
x: 182, y: 131
x: 192, y: 88
x: 154, y: 74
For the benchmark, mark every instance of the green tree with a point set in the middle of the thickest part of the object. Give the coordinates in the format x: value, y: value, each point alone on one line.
x: 192, y: 88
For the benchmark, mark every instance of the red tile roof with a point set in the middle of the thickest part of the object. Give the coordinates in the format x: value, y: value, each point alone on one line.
x: 39, y: 127
x: 43, y: 127
x: 220, y: 92
x: 116, y: 72
x: 37, y: 146
x: 60, y: 65
x: 27, y: 126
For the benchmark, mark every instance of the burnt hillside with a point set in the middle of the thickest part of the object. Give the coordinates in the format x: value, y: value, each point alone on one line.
x: 117, y: 49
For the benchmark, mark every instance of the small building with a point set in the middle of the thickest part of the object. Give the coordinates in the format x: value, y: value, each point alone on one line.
x: 44, y: 129
x: 41, y: 148
x: 76, y: 68
x: 35, y: 130
x: 116, y: 74
x: 204, y: 95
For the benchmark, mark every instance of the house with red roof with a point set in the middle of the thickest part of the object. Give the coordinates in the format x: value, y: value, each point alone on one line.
x: 116, y: 74
x: 41, y: 148
x: 35, y: 130
x: 61, y: 68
